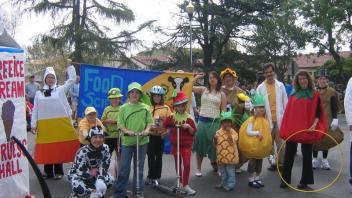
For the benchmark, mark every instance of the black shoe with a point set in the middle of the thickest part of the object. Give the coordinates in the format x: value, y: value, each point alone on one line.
x: 283, y: 185
x: 58, y: 177
x: 215, y: 167
x: 272, y: 167
x: 253, y: 184
x: 148, y: 181
x: 302, y: 186
x: 350, y: 181
x: 260, y: 183
x: 45, y: 176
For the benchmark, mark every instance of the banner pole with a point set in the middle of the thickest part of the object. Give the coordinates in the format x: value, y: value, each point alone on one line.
x: 43, y: 185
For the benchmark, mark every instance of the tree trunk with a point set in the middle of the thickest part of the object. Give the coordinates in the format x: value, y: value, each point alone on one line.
x: 335, y: 55
x: 77, y: 37
x: 207, y: 53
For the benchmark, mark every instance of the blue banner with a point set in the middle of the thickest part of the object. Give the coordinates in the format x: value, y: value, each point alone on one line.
x: 96, y: 81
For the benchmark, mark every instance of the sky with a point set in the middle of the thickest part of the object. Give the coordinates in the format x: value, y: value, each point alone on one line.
x: 163, y: 11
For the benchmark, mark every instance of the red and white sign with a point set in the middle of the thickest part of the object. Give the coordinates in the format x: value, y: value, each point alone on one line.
x: 14, y: 181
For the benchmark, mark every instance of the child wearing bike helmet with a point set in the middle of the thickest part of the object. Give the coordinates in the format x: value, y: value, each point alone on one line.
x: 160, y: 112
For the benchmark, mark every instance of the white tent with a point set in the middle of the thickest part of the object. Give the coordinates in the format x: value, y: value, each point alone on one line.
x: 5, y: 39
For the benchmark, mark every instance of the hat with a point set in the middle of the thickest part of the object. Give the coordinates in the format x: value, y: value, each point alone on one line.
x: 90, y: 110
x: 157, y: 90
x: 114, y: 93
x: 180, y: 98
x: 258, y: 100
x: 228, y: 71
x: 226, y: 116
x: 49, y: 70
x: 134, y: 85
x: 322, y: 73
x: 95, y: 130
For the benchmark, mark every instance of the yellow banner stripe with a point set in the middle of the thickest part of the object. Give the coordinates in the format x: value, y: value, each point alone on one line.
x: 55, y: 130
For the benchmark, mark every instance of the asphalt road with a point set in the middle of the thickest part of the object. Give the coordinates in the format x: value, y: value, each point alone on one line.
x: 205, y: 186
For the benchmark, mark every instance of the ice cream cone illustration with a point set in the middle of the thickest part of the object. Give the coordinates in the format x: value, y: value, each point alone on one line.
x: 7, y: 116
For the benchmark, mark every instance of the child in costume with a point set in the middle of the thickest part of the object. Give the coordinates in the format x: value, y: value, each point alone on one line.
x: 109, y: 119
x: 89, y: 173
x: 160, y: 112
x: 134, y: 117
x: 180, y: 118
x: 86, y: 123
x: 257, y: 126
x: 225, y: 140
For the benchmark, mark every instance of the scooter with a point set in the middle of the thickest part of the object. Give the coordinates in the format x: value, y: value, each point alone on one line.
x: 176, y: 190
x: 137, y: 194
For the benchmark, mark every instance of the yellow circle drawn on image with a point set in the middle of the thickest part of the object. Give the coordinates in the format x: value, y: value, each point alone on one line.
x: 316, y: 190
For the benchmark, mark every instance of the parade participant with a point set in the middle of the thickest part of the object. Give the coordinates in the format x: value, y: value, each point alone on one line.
x: 233, y: 102
x: 306, y: 103
x: 329, y: 99
x: 225, y: 141
x: 134, y: 117
x: 160, y: 112
x: 90, y: 119
x: 109, y: 119
x: 180, y: 118
x: 213, y: 101
x: 236, y: 101
x: 348, y: 113
x: 275, y: 102
x: 50, y: 96
x: 257, y: 127
x: 89, y: 173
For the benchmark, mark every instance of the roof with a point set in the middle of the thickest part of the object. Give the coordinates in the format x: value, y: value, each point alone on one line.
x: 314, y: 60
x: 6, y: 40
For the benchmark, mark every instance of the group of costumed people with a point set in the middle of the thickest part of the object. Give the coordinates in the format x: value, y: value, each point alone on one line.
x: 232, y: 129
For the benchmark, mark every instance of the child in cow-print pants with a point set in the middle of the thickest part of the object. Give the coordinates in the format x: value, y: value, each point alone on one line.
x: 89, y: 172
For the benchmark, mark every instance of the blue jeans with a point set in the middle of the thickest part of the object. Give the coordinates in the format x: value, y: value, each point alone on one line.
x: 127, y: 152
x: 228, y: 175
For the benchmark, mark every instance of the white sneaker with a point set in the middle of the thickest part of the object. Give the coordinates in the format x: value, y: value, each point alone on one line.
x: 272, y: 159
x: 325, y: 164
x: 198, y: 173
x: 189, y: 190
x: 315, y: 163
x: 238, y: 170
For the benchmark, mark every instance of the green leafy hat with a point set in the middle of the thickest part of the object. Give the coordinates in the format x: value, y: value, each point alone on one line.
x: 114, y: 93
x: 134, y: 85
x: 258, y: 100
x: 226, y: 116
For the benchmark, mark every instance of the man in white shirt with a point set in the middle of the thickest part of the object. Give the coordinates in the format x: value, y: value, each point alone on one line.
x: 348, y: 113
x: 275, y: 103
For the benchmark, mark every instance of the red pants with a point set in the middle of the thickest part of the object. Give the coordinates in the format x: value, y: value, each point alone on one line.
x: 185, y: 158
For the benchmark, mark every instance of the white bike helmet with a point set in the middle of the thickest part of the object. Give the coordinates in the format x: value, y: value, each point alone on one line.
x: 157, y: 90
